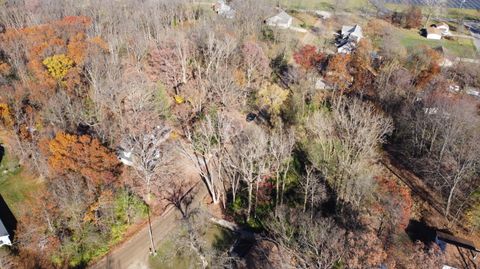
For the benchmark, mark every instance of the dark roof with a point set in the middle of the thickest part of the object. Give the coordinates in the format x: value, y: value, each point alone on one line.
x: 8, y: 223
x: 457, y: 241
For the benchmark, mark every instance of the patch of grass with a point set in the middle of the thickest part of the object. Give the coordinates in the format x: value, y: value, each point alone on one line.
x: 462, y: 47
x: 322, y: 4
x: 452, y: 13
x: 15, y: 186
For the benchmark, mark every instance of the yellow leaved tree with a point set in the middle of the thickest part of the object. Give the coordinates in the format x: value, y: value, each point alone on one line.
x: 58, y: 65
x: 271, y: 97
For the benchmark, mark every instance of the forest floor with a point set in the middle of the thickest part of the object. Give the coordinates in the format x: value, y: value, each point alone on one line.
x: 430, y: 216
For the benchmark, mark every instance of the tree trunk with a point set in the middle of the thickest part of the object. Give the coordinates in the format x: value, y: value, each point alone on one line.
x: 450, y: 198
x: 250, y: 190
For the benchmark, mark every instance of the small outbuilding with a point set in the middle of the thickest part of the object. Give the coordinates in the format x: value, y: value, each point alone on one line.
x: 282, y: 20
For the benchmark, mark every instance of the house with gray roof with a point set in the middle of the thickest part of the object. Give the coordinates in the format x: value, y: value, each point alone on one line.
x: 282, y: 20
x: 223, y: 9
x: 348, y: 38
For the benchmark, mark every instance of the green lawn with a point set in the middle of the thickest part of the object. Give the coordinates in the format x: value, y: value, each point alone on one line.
x: 15, y: 187
x: 462, y: 47
x: 349, y: 5
x: 453, y: 13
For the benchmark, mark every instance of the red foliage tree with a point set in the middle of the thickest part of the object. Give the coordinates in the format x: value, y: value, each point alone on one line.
x: 308, y: 57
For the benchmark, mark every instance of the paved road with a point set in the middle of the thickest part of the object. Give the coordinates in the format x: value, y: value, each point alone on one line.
x: 134, y: 253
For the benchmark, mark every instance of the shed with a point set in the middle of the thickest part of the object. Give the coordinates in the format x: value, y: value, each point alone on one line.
x: 282, y: 20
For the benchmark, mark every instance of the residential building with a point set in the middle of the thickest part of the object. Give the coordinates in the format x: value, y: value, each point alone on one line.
x: 282, y: 20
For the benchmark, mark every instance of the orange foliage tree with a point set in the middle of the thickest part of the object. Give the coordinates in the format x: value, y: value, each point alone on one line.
x: 394, y: 205
x: 337, y: 73
x: 427, y: 64
x: 83, y: 155
x: 29, y: 47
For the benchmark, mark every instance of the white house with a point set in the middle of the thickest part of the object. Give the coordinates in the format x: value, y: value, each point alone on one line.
x: 282, y: 20
x: 353, y: 33
x: 348, y: 39
x: 434, y: 33
x: 223, y: 9
x: 444, y: 28
x: 347, y: 47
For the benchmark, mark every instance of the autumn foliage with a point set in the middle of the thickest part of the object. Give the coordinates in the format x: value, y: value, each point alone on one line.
x: 308, y: 57
x: 337, y: 71
x: 83, y: 155
x: 49, y: 52
x: 396, y: 201
x: 428, y: 61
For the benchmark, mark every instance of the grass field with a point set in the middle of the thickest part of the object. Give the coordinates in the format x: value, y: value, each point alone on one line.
x: 463, y: 47
x: 452, y: 13
x: 16, y: 186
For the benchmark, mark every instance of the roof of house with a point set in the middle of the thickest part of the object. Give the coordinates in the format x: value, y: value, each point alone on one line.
x: 352, y: 30
x: 280, y: 18
x: 223, y: 9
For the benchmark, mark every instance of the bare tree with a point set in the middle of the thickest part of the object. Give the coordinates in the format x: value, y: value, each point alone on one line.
x: 280, y: 147
x: 313, y: 243
x: 345, y: 146
x: 313, y: 190
x: 250, y: 160
x: 206, y: 149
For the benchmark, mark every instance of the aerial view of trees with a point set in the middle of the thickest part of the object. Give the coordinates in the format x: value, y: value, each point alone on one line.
x: 191, y: 134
